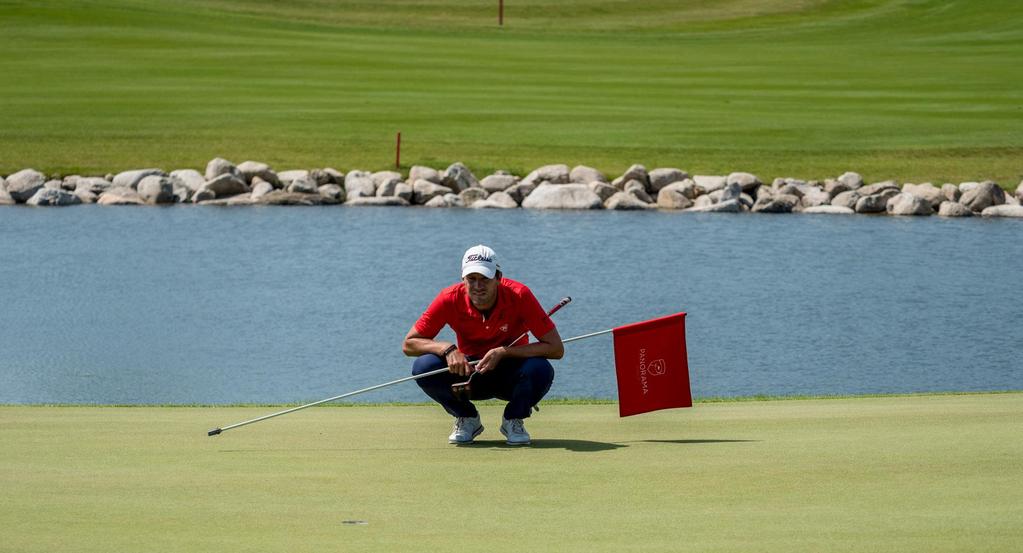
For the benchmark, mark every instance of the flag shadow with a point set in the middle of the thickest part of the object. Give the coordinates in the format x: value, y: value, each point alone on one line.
x: 690, y: 442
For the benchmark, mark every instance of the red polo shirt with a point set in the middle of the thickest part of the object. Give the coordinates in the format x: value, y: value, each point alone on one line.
x: 515, y: 312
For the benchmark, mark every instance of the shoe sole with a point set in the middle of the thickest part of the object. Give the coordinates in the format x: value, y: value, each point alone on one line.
x: 469, y: 441
x: 509, y: 442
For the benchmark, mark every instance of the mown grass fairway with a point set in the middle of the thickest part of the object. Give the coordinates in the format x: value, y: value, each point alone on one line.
x: 908, y: 89
x: 926, y: 473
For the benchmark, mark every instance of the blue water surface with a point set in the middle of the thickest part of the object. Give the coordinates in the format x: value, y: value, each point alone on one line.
x: 200, y: 304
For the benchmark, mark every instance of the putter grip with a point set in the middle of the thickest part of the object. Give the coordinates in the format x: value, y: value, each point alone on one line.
x: 564, y: 301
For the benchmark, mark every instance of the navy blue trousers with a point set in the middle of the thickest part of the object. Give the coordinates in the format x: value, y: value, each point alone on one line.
x: 520, y: 382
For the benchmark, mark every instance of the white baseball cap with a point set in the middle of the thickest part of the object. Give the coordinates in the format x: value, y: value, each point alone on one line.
x: 480, y: 259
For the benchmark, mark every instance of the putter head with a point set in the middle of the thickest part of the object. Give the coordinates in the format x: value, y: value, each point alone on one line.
x: 463, y: 390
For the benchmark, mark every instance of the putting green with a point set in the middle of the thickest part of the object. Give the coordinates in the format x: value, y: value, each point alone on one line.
x: 921, y: 90
x: 922, y: 473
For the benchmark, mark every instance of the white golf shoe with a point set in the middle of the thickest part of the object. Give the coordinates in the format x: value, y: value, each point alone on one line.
x: 515, y: 431
x: 465, y: 431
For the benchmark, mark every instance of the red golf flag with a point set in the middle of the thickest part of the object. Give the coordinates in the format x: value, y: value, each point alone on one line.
x: 653, y: 371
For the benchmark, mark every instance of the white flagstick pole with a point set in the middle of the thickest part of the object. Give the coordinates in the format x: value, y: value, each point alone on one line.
x: 216, y: 431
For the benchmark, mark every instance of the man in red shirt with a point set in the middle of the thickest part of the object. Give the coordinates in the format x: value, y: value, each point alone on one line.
x: 487, y: 312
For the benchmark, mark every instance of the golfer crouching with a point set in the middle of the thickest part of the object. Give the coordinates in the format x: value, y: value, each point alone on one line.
x: 487, y: 313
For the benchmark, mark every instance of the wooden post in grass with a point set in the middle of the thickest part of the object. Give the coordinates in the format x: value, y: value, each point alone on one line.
x: 500, y: 13
x: 397, y: 152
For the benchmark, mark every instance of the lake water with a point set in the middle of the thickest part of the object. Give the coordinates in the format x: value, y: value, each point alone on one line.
x: 225, y: 305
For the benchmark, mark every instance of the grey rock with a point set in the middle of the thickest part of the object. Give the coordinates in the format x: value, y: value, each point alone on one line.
x: 829, y: 210
x: 131, y: 179
x: 303, y: 186
x: 157, y: 190
x: 954, y: 209
x: 553, y: 174
x: 55, y: 197
x: 336, y: 177
x: 661, y: 177
x: 582, y: 174
x: 835, y: 187
x: 687, y: 187
x: 638, y: 190
x: 780, y: 203
x: 261, y: 188
x: 878, y: 187
x: 603, y: 190
x: 360, y: 184
x: 1003, y: 211
x: 283, y: 197
x: 94, y: 185
x: 442, y: 201
x: 192, y: 179
x: 673, y: 196
x: 965, y: 187
x: 951, y: 192
x: 707, y: 199
x: 731, y: 191
x: 927, y: 191
x: 567, y: 196
x: 226, y: 185
x: 21, y: 186
x: 321, y: 177
x: 520, y: 191
x: 623, y: 201
x: 288, y: 177
x: 710, y: 183
x: 875, y: 203
x: 202, y: 195
x: 378, y: 201
x: 846, y: 199
x: 853, y: 180
x: 332, y: 192
x: 636, y: 172
x: 813, y: 197
x: 748, y: 181
x: 421, y: 172
x: 727, y: 206
x: 398, y: 189
x: 498, y: 182
x: 458, y: 177
x: 1019, y: 191
x: 220, y: 166
x: 746, y: 200
x: 472, y: 195
x: 386, y: 179
x: 983, y: 196
x: 87, y: 196
x: 423, y: 191
x: 792, y: 190
x: 252, y: 169
x: 53, y: 185
x: 908, y: 204
x: 120, y: 195
x: 497, y: 200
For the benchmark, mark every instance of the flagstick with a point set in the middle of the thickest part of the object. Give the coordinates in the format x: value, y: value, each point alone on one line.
x: 584, y: 336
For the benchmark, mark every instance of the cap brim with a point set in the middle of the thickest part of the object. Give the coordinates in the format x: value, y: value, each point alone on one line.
x: 481, y: 269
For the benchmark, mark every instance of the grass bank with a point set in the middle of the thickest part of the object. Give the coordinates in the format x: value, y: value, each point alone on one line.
x: 923, y: 473
x: 914, y: 90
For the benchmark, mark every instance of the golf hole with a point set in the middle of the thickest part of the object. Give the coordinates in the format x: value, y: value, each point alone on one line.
x: 355, y: 522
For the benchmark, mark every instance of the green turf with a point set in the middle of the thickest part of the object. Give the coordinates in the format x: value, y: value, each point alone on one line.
x: 909, y: 89
x: 924, y: 473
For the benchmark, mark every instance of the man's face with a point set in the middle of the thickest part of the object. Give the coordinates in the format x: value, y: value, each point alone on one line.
x: 482, y: 290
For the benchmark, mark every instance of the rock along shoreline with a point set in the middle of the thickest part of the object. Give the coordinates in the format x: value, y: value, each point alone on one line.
x: 548, y: 187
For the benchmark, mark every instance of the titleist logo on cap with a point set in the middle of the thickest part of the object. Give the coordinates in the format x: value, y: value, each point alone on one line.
x: 478, y: 257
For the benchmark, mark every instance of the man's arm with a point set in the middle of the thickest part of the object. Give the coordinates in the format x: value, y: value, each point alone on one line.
x: 416, y: 344
x: 548, y: 346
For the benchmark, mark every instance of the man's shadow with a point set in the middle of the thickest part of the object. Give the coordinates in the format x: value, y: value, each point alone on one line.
x: 588, y: 446
x: 585, y: 446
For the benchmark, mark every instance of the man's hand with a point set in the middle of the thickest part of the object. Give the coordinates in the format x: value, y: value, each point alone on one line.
x: 458, y: 364
x: 491, y: 360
